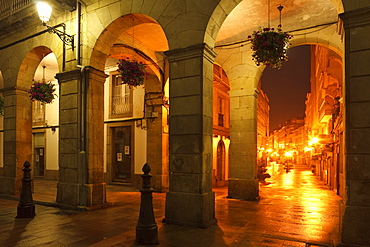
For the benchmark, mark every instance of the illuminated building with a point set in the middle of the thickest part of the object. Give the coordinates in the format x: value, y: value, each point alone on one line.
x: 221, y: 126
x: 180, y: 41
x: 324, y: 116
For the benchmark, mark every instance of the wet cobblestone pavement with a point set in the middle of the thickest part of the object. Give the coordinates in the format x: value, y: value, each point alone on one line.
x: 295, y: 209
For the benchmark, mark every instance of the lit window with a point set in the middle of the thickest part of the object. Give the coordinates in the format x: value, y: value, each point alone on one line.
x: 38, y: 112
x: 121, y: 98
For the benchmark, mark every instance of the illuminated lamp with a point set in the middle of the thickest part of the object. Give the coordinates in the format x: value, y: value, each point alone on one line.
x: 44, y: 11
x: 315, y: 140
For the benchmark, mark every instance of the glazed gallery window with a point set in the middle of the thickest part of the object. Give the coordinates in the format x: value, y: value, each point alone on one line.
x: 221, y: 114
x: 121, y: 98
x: 38, y: 113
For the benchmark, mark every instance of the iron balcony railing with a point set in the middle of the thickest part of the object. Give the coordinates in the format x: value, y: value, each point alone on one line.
x: 9, y: 7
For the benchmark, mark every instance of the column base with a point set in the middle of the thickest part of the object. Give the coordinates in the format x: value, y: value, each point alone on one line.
x: 355, y: 227
x: 160, y: 183
x: 190, y: 209
x: 86, y: 195
x: 243, y: 189
x: 10, y: 186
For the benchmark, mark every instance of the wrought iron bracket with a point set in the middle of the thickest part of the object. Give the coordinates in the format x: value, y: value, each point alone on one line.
x: 66, y: 38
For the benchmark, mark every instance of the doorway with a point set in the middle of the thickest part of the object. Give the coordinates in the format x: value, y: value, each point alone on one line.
x: 39, y: 162
x: 220, y: 175
x: 39, y: 155
x: 121, y: 154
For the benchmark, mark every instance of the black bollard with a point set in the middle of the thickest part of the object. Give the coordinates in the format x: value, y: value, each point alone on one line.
x: 146, y: 229
x: 26, y: 208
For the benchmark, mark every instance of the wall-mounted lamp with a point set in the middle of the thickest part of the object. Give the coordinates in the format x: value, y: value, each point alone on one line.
x: 44, y: 11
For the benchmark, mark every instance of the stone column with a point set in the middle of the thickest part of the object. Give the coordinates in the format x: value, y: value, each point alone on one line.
x: 190, y: 200
x: 355, y: 209
x: 17, y: 138
x: 81, y: 138
x: 243, y: 182
x: 157, y: 136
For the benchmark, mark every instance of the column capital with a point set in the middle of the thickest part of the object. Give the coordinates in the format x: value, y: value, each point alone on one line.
x: 197, y: 50
x: 357, y: 17
x: 10, y: 90
x: 245, y: 92
x: 76, y: 74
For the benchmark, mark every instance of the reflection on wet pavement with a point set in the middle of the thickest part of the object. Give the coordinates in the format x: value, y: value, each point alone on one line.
x: 294, y: 206
x: 295, y: 209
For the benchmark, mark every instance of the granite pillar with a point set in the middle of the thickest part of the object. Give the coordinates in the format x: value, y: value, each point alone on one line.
x: 190, y: 200
x: 81, y: 124
x: 243, y: 181
x: 355, y: 208
x: 17, y: 138
x: 157, y: 135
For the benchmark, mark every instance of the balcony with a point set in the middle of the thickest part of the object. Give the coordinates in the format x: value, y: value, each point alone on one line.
x: 325, y: 112
x: 16, y: 15
x: 10, y: 7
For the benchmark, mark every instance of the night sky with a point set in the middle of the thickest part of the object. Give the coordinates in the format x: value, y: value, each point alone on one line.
x: 287, y: 87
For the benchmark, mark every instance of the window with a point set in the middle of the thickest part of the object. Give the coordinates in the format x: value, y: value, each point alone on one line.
x: 220, y: 112
x: 38, y: 112
x: 121, y: 98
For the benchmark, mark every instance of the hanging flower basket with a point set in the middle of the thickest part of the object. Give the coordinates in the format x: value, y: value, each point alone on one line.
x: 133, y: 73
x: 270, y: 46
x: 42, y: 91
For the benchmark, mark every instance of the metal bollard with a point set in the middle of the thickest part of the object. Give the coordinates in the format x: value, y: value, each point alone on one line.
x: 26, y: 208
x: 146, y: 229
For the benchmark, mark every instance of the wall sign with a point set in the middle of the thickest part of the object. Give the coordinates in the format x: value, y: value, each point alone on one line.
x: 119, y: 156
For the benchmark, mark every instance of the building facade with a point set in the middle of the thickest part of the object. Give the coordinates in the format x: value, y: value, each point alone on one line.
x: 180, y: 41
x: 324, y: 117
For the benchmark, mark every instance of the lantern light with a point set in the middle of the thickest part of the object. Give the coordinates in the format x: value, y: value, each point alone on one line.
x: 44, y: 11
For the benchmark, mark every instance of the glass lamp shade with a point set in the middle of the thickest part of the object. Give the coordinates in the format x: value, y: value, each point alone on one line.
x: 44, y: 11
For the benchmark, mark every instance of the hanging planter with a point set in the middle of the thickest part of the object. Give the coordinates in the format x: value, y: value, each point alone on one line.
x: 270, y: 46
x: 133, y: 73
x: 42, y: 91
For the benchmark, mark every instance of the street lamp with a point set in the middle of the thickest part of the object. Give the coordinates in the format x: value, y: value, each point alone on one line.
x: 44, y: 11
x: 315, y: 140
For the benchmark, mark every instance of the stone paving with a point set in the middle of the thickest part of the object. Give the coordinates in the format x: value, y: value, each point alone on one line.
x: 295, y: 209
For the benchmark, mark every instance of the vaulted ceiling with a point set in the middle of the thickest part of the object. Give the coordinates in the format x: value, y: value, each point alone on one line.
x: 249, y: 15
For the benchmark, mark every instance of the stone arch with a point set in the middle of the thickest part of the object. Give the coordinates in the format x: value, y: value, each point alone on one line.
x: 224, y: 8
x: 30, y: 50
x: 29, y: 65
x: 129, y: 30
x: 1, y: 80
x: 18, y: 117
x: 140, y: 37
x: 244, y: 76
x: 221, y: 11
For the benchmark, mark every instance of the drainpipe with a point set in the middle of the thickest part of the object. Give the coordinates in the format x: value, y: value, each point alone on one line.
x: 81, y: 115
x: 78, y: 33
x: 82, y: 161
x: 64, y: 51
